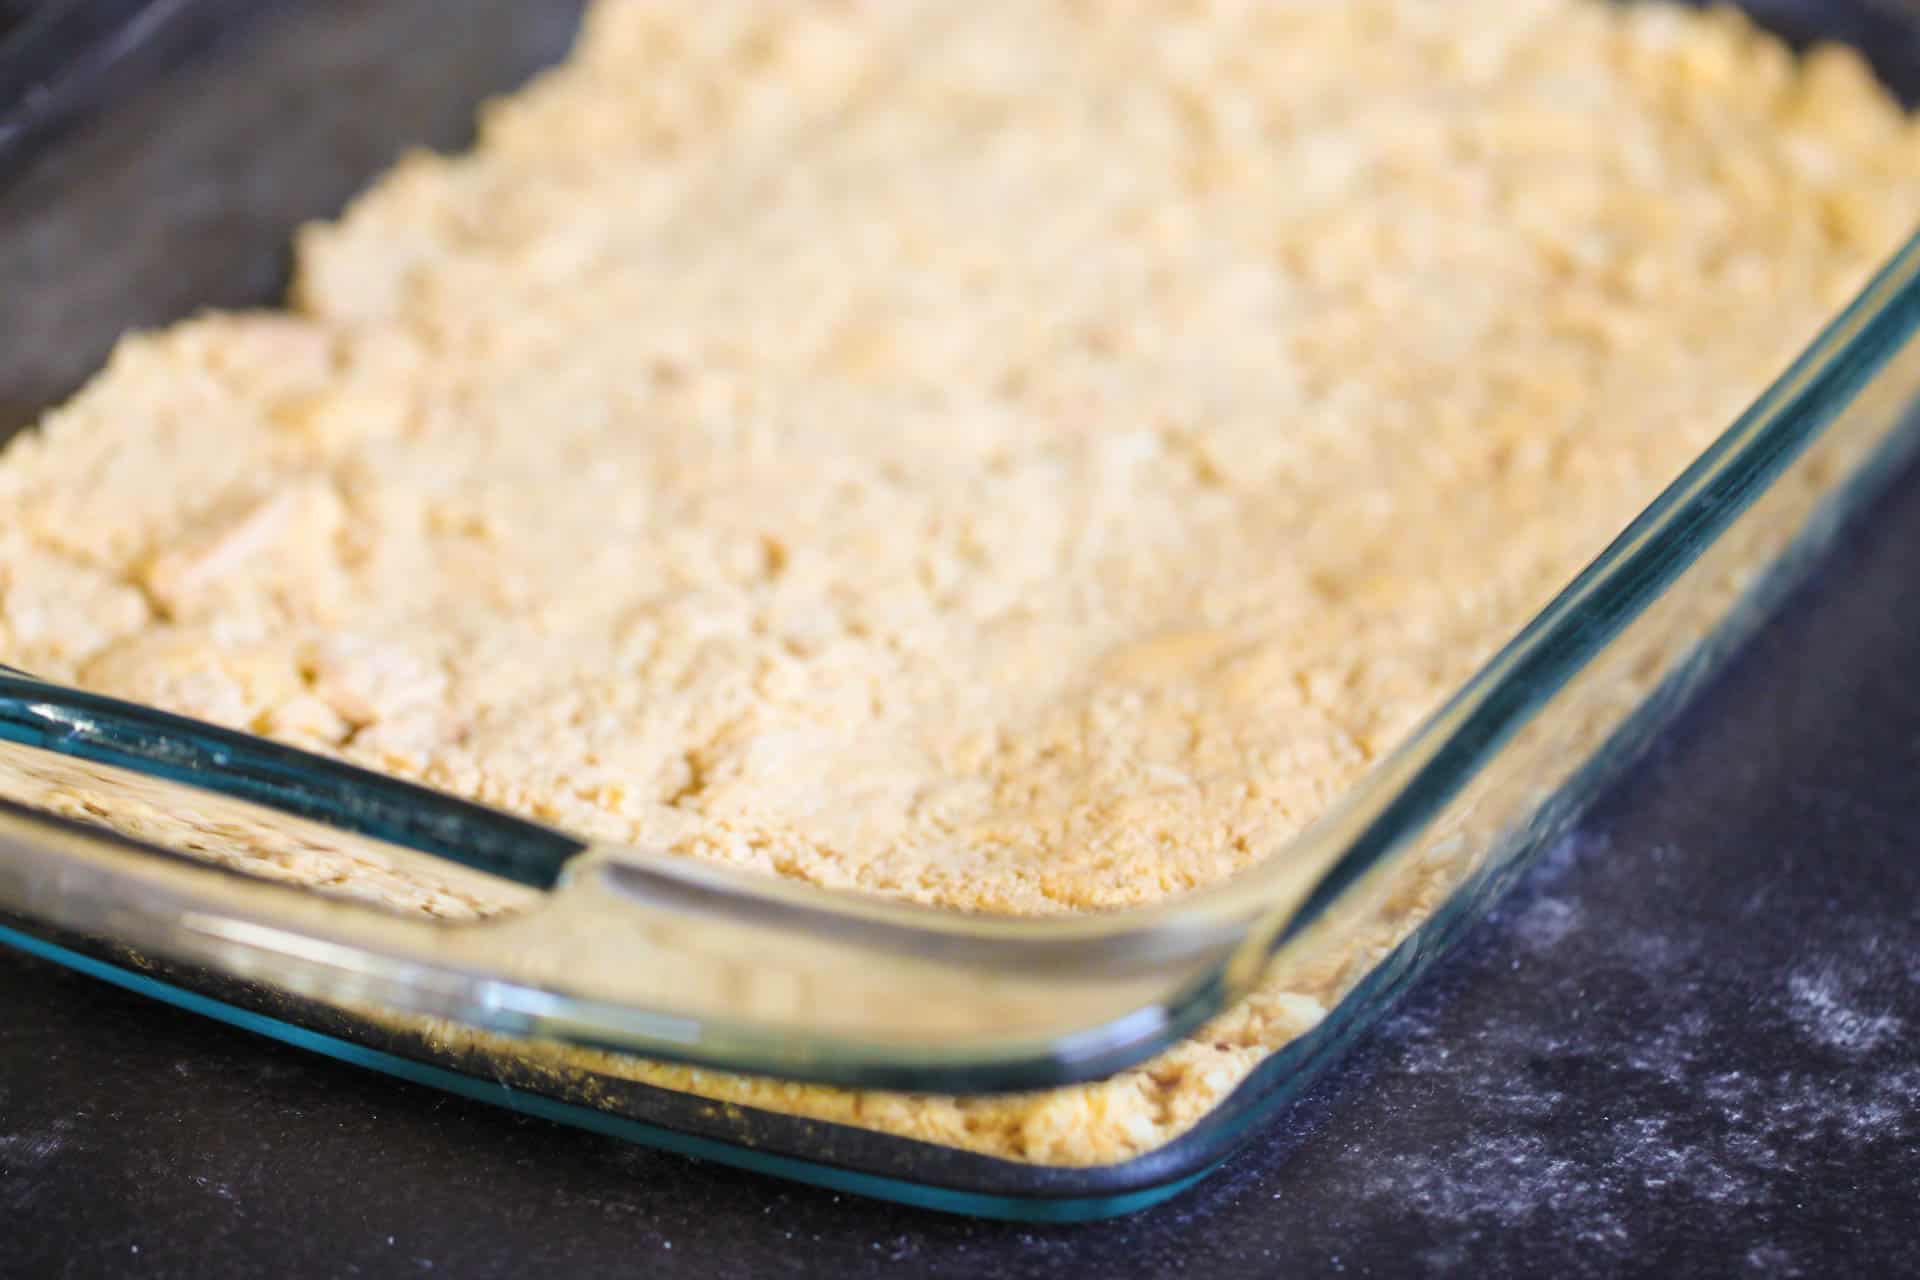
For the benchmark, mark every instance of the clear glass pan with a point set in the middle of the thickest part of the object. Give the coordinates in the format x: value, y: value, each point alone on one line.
x: 615, y: 949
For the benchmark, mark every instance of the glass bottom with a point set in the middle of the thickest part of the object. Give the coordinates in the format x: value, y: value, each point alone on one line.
x: 497, y: 1093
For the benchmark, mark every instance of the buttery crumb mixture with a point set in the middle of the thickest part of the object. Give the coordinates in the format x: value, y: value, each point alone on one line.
x: 1025, y: 456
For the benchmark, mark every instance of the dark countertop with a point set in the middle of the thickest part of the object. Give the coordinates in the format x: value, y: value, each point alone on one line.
x: 1686, y: 1045
x: 1689, y: 1044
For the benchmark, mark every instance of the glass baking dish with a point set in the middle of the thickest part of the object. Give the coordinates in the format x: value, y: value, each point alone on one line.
x: 166, y: 153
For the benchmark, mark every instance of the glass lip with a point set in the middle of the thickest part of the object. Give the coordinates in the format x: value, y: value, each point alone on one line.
x: 1235, y: 926
x: 1012, y: 1191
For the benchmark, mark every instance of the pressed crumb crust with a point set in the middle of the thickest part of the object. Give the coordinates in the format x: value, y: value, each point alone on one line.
x: 1028, y: 457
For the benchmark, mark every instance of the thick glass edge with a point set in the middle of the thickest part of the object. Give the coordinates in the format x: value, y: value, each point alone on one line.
x: 906, y: 1170
x: 980, y: 1204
